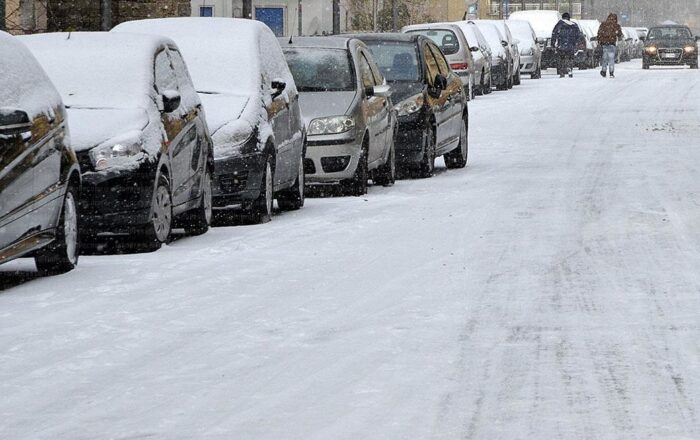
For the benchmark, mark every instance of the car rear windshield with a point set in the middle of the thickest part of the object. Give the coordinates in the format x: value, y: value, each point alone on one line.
x: 668, y: 33
x: 321, y: 70
x: 444, y: 38
x: 397, y: 61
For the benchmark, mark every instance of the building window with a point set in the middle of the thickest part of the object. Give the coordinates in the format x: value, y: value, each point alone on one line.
x: 206, y: 11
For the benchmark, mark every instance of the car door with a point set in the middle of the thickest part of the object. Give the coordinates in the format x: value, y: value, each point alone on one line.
x: 181, y: 134
x: 372, y: 108
x: 437, y: 104
x: 384, y: 121
x: 454, y: 100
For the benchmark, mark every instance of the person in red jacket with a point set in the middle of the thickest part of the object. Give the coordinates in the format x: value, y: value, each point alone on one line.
x: 608, y: 34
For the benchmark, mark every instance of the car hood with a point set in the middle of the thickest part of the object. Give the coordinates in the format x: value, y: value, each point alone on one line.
x: 401, y: 90
x: 671, y: 43
x: 319, y: 104
x: 90, y: 127
x: 222, y: 108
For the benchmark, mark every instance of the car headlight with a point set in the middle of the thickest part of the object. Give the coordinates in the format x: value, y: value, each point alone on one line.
x: 107, y: 156
x: 651, y: 49
x: 689, y: 49
x: 410, y: 105
x: 331, y: 125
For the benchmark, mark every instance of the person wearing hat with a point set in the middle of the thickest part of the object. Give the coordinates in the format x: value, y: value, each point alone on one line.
x: 565, y: 37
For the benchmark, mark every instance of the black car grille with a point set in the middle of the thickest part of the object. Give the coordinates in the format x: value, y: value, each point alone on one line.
x: 309, y: 167
x: 670, y: 54
x: 84, y: 160
x: 232, y: 183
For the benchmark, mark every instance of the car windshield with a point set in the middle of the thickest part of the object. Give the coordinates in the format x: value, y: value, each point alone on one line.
x: 493, y: 37
x: 671, y: 33
x: 397, y: 61
x: 321, y: 70
x: 444, y: 38
x: 521, y: 31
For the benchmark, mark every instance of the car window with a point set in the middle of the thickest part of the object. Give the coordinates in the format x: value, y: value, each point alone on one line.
x: 321, y: 70
x: 441, y: 62
x: 165, y: 78
x: 397, y: 61
x: 670, y: 33
x: 376, y: 72
x: 431, y: 65
x: 184, y: 82
x: 444, y: 38
x: 366, y: 72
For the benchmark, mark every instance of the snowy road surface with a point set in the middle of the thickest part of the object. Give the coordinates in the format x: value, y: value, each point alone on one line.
x: 549, y: 291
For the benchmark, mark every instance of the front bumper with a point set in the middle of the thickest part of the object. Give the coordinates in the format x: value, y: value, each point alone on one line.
x: 527, y: 64
x: 409, y: 144
x: 332, y: 158
x: 117, y: 201
x: 499, y: 73
x: 237, y: 180
x: 671, y: 57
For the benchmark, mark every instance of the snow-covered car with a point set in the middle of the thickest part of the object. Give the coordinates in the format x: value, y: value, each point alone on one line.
x: 138, y: 129
x: 454, y: 46
x: 530, y: 52
x: 347, y: 110
x: 432, y: 119
x: 591, y: 27
x: 481, y: 56
x: 513, y: 47
x: 543, y: 22
x: 501, y: 59
x: 252, y: 108
x: 39, y: 173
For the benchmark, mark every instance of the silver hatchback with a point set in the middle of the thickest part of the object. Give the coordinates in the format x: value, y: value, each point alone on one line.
x: 347, y: 109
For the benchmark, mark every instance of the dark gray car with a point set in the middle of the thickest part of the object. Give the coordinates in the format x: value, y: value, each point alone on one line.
x: 347, y: 109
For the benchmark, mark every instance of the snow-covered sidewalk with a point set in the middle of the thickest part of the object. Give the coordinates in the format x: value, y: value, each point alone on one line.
x: 549, y: 290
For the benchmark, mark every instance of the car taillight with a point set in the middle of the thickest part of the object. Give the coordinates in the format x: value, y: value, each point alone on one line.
x: 459, y: 66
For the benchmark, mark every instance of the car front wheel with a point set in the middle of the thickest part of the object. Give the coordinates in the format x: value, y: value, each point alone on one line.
x: 457, y: 158
x: 199, y: 220
x: 294, y: 197
x: 62, y: 255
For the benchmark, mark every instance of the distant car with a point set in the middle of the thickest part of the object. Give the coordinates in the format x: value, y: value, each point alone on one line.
x: 454, y: 46
x: 584, y: 57
x: 543, y: 22
x: 501, y: 60
x: 432, y: 109
x: 636, y: 44
x: 670, y: 45
x: 530, y: 52
x: 512, y: 46
x: 591, y: 28
x: 347, y: 110
x: 252, y: 108
x: 39, y: 177
x: 138, y: 129
x: 481, y: 56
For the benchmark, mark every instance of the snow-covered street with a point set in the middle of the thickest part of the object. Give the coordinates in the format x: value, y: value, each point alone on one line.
x: 550, y: 290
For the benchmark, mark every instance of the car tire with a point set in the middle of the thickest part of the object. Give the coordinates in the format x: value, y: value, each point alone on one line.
x: 694, y: 66
x: 509, y: 83
x: 385, y: 175
x: 294, y: 197
x: 457, y: 158
x: 197, y: 221
x: 260, y: 210
x: 61, y: 255
x: 357, y: 186
x: 426, y: 168
x: 481, y: 89
x: 516, y: 79
x: 645, y: 66
x: 158, y: 229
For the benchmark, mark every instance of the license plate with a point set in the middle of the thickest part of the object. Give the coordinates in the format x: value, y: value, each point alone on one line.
x: 669, y: 55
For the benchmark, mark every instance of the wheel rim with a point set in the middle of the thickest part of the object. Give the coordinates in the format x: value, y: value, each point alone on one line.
x: 70, y: 227
x: 162, y: 214
x: 301, y: 177
x: 207, y: 198
x: 463, y: 135
x: 268, y: 189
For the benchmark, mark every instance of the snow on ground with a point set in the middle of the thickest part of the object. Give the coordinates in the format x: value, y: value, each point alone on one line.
x: 548, y: 291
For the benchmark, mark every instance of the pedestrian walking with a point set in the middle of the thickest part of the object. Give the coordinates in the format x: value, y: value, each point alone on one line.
x: 608, y: 35
x: 565, y: 38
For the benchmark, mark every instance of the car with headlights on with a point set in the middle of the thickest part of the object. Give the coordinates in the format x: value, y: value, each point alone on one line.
x: 530, y: 52
x: 252, y: 108
x: 454, y: 46
x: 139, y: 132
x: 347, y: 110
x: 39, y: 172
x: 672, y: 45
x: 429, y: 100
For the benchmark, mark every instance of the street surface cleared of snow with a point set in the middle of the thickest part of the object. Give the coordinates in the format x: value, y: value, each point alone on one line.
x: 550, y: 290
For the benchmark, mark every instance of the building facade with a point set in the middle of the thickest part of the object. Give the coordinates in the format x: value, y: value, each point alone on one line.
x: 23, y: 16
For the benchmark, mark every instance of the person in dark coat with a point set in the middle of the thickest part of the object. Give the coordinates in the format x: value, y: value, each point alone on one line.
x: 565, y: 37
x: 608, y: 34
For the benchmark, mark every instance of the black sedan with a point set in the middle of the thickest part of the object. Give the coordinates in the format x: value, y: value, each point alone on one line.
x: 429, y: 100
x: 672, y: 45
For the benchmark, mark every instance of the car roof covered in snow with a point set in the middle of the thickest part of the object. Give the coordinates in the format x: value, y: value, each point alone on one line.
x: 98, y: 69
x: 335, y: 42
x: 222, y: 54
x: 23, y: 83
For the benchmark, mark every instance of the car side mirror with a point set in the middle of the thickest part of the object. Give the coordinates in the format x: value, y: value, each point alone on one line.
x: 594, y: 38
x: 697, y: 38
x: 541, y: 41
x: 382, y: 91
x: 14, y: 122
x: 504, y: 43
x: 629, y: 40
x: 278, y: 87
x: 171, y: 100
x: 644, y: 38
x: 474, y: 49
x: 439, y: 84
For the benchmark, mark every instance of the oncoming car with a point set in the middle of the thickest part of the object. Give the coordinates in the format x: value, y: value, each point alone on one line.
x: 347, y: 111
x: 139, y: 132
x: 670, y: 45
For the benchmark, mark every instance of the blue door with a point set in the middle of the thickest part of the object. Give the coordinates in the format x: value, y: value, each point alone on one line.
x: 273, y: 17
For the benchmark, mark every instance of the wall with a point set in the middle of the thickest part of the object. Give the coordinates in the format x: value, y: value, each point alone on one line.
x: 84, y: 15
x: 25, y: 16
